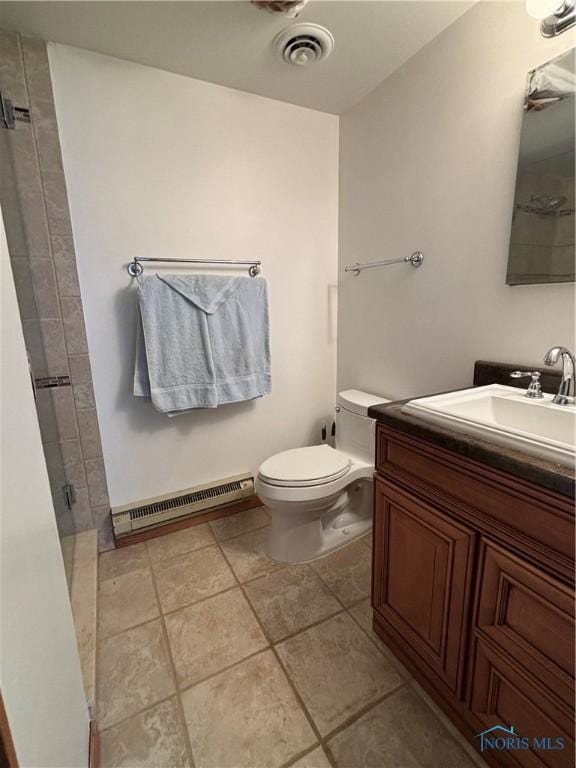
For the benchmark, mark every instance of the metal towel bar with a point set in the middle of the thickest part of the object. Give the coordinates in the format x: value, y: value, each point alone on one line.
x: 415, y: 259
x: 135, y: 267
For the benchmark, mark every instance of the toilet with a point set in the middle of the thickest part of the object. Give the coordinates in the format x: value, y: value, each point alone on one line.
x: 320, y: 497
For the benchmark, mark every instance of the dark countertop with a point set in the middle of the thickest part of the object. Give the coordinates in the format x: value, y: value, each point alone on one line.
x: 554, y: 477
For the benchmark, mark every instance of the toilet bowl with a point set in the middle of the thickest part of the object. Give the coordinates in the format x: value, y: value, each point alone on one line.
x: 320, y: 497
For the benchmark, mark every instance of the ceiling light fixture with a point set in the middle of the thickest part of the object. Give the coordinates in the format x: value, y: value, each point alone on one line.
x: 556, y: 15
x: 290, y: 8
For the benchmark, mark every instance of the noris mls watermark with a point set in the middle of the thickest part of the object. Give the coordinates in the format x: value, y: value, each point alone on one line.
x: 501, y: 737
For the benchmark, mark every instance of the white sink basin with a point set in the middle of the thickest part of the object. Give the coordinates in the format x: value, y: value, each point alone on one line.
x: 504, y: 415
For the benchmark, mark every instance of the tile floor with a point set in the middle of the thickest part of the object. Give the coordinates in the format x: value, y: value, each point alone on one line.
x: 212, y: 656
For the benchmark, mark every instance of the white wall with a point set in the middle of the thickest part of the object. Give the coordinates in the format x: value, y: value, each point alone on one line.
x: 428, y: 162
x: 40, y: 673
x: 162, y: 165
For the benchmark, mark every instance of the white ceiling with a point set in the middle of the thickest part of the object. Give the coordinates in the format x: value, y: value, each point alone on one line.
x: 230, y: 42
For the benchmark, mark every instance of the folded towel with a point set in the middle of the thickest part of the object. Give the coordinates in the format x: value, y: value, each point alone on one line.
x: 202, y: 341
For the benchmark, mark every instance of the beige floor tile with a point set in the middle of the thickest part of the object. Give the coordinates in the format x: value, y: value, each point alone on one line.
x: 367, y: 540
x: 84, y: 602
x: 191, y: 577
x: 400, y: 731
x: 178, y: 543
x: 119, y: 561
x: 362, y: 613
x: 315, y: 759
x: 247, y: 557
x: 126, y: 601
x: 337, y: 670
x: 347, y: 572
x: 211, y: 635
x: 290, y: 600
x: 134, y: 672
x: 242, y: 522
x: 246, y: 717
x: 153, y: 739
x: 450, y: 727
x: 67, y: 544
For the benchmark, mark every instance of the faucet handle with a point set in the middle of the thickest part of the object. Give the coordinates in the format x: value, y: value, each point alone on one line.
x: 535, y: 388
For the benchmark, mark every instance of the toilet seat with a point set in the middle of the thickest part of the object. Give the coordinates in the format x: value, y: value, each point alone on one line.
x: 305, y: 467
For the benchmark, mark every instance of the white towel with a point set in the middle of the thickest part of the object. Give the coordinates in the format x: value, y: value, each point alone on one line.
x: 203, y: 341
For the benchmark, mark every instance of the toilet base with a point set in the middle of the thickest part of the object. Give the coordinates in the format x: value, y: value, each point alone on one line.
x: 299, y: 537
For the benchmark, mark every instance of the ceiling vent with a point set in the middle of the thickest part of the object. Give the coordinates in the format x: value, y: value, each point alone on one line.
x: 304, y: 44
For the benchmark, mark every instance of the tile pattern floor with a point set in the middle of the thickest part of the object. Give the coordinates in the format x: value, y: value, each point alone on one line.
x: 210, y: 655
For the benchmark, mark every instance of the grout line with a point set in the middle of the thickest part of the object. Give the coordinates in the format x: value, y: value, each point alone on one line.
x: 151, y: 563
x: 323, y: 740
x: 227, y: 561
x: 102, y: 637
x: 197, y: 602
x: 299, y: 698
x: 189, y: 686
x: 170, y: 558
x: 329, y: 588
x: 361, y: 712
x: 295, y: 758
x: 360, y: 600
x: 178, y: 554
x: 271, y: 641
x: 237, y: 535
x: 179, y: 705
x: 276, y: 569
x: 339, y: 612
x: 277, y: 566
x: 386, y: 652
x: 463, y: 744
x: 139, y: 712
x: 121, y: 575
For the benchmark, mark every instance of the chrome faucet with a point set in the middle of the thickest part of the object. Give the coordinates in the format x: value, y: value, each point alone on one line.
x: 567, y: 391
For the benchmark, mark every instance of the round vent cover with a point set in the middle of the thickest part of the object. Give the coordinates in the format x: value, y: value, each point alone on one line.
x: 304, y: 44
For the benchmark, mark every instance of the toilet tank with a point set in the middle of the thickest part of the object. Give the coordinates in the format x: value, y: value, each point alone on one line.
x: 354, y: 429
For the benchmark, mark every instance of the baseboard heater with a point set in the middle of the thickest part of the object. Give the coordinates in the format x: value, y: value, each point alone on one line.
x: 187, y: 503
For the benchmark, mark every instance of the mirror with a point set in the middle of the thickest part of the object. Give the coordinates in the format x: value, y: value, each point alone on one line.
x: 542, y: 237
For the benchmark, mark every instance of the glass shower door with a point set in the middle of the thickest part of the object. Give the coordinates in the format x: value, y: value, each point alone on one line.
x: 40, y: 317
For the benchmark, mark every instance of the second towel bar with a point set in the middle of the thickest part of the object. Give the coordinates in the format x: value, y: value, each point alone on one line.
x: 415, y: 259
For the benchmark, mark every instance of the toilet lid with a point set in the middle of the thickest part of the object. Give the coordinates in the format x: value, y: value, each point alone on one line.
x: 305, y: 466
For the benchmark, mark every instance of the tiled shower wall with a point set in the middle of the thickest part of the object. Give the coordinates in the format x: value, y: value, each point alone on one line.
x: 38, y: 228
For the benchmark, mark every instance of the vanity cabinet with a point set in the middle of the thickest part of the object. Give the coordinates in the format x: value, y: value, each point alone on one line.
x: 473, y: 590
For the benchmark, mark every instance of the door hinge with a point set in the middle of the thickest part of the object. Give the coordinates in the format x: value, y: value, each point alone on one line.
x: 69, y: 493
x: 7, y: 117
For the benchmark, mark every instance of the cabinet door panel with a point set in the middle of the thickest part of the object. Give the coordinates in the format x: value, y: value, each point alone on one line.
x: 422, y: 578
x: 505, y: 695
x: 530, y: 616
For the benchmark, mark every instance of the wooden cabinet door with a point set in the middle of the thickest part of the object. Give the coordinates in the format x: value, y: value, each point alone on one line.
x: 529, y: 616
x: 421, y: 580
x: 505, y: 694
